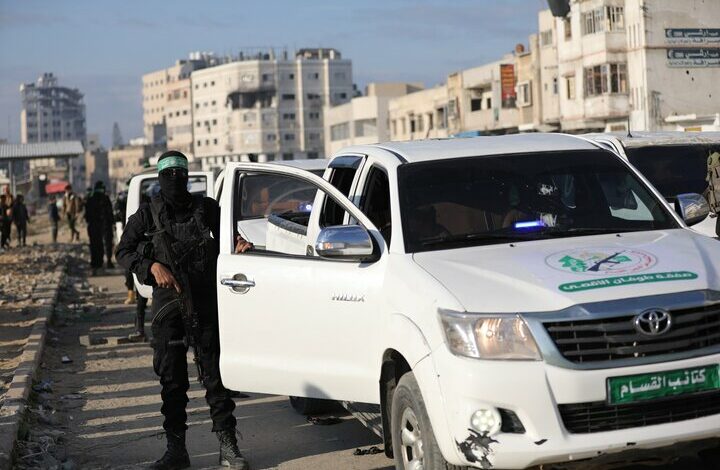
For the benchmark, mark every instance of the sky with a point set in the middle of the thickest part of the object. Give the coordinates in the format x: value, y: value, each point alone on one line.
x: 104, y: 47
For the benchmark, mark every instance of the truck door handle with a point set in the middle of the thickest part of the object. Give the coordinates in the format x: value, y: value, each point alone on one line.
x: 238, y: 283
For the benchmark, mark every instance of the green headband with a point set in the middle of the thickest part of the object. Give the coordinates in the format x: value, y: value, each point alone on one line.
x: 172, y: 162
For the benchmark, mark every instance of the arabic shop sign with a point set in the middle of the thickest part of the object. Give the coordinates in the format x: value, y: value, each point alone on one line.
x: 696, y: 57
x: 635, y: 388
x: 601, y: 261
x: 627, y: 280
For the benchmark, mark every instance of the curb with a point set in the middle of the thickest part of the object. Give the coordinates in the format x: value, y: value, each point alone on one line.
x: 13, y: 410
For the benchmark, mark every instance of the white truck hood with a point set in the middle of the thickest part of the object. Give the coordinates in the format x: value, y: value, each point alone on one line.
x: 550, y: 275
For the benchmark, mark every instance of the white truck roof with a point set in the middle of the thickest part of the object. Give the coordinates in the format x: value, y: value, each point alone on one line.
x: 643, y: 139
x: 434, y: 149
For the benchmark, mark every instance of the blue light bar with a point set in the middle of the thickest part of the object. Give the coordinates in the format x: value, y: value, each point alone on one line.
x: 529, y: 224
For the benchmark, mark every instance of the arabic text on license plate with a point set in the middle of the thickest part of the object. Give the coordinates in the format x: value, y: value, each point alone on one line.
x: 634, y: 388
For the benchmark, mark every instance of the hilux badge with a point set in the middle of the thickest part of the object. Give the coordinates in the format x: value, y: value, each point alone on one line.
x: 653, y: 322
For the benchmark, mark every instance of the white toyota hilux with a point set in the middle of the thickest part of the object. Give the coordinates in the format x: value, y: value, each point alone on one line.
x: 501, y: 302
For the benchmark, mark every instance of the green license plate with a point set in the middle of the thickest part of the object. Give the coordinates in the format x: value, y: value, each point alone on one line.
x: 633, y: 388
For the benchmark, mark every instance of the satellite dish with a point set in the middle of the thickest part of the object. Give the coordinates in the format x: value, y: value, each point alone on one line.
x: 559, y: 8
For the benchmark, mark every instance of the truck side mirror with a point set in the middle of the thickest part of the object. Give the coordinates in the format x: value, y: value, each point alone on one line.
x: 693, y: 208
x: 346, y: 243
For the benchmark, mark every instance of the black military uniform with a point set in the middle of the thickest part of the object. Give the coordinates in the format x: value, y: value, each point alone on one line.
x: 99, y: 216
x: 190, y: 225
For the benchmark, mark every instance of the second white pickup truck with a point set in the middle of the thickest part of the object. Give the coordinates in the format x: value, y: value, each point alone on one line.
x: 503, y: 302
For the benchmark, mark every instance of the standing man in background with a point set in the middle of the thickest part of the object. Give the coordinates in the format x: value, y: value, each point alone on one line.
x: 70, y: 210
x: 20, y: 218
x: 99, y: 217
x: 5, y: 221
x: 54, y: 216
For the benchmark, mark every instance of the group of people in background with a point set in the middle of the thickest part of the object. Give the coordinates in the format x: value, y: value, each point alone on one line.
x: 96, y: 209
x: 13, y: 212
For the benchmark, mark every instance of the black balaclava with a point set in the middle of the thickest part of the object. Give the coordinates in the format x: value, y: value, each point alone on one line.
x: 173, y: 188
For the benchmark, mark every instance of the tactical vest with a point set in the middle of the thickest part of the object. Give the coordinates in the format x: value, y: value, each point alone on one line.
x: 193, y: 249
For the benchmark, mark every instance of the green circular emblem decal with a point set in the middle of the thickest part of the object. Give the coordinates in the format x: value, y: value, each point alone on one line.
x: 601, y: 261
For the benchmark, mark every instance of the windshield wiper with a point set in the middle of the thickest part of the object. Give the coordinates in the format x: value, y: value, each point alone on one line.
x: 587, y: 230
x: 487, y: 236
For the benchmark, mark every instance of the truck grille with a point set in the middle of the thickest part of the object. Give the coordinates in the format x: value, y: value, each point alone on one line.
x: 598, y: 416
x: 609, y: 339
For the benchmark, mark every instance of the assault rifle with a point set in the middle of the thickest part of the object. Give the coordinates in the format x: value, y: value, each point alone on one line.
x: 189, y: 315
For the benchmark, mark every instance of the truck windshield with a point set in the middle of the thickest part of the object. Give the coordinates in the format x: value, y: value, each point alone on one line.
x: 673, y: 169
x: 462, y: 202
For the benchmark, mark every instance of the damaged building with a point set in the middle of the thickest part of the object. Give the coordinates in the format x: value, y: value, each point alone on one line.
x: 267, y: 106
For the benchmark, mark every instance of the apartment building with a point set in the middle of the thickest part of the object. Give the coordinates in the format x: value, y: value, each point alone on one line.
x: 52, y: 113
x: 364, y: 119
x: 419, y: 115
x: 652, y: 64
x: 267, y: 106
x: 484, y: 99
x: 167, y: 102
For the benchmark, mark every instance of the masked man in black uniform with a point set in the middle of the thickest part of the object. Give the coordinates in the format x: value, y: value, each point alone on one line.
x: 171, y: 244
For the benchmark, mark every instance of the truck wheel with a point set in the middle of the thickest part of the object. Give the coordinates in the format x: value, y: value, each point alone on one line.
x: 312, y: 406
x: 414, y: 444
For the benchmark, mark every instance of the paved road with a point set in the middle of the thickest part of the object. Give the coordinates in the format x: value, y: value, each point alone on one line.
x: 107, y: 402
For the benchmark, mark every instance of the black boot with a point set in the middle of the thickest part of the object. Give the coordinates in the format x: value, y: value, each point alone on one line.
x: 176, y: 456
x: 230, y: 455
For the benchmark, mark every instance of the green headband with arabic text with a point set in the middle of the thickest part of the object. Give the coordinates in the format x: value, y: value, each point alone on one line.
x: 172, y: 162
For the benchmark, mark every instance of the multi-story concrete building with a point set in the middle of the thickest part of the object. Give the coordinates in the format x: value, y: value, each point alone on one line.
x: 264, y: 106
x: 167, y: 102
x: 363, y: 120
x: 52, y: 113
x: 129, y: 160
x: 484, y: 99
x: 420, y: 115
x: 652, y: 64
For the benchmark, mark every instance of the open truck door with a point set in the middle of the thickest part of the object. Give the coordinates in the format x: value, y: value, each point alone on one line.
x: 268, y: 344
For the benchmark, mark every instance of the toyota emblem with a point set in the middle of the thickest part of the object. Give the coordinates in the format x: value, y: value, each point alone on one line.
x: 653, y: 322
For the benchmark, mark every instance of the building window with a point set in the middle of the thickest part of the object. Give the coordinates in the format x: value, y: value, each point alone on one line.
x: 289, y: 137
x: 214, y: 102
x: 215, y: 141
x: 314, y: 115
x: 605, y: 78
x: 567, y: 28
x: 214, y: 122
x: 365, y: 127
x: 340, y: 131
x: 604, y: 19
x: 271, y: 137
x: 314, y: 136
x: 570, y: 87
x: 287, y: 156
x: 291, y: 76
x: 475, y: 104
x: 288, y: 96
x: 314, y: 76
x: 524, y: 95
x: 546, y: 38
x: 198, y: 124
x: 289, y: 116
x: 199, y: 143
x: 313, y: 155
x: 313, y: 96
x: 555, y: 86
x: 212, y: 83
x: 488, y: 103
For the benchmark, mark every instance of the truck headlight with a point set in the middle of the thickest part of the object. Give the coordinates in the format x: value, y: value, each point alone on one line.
x: 489, y: 337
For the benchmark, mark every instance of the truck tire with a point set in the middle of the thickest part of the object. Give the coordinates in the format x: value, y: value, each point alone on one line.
x: 414, y: 443
x: 312, y: 406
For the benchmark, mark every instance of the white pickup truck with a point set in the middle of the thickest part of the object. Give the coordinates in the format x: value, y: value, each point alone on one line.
x: 503, y: 302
